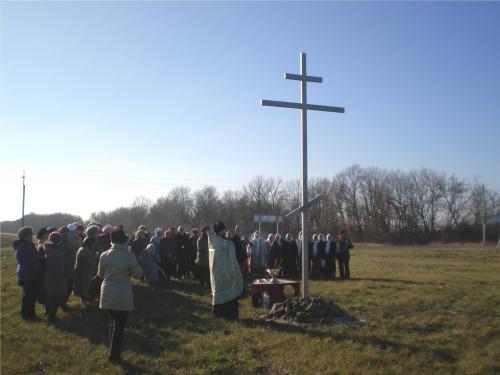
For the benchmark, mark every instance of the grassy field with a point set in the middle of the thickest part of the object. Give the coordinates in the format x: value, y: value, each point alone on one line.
x: 428, y: 310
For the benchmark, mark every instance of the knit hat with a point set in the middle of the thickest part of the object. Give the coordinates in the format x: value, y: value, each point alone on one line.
x: 158, y: 231
x: 118, y: 235
x: 24, y: 232
x: 92, y: 231
x: 72, y: 227
x: 42, y: 233
x: 55, y: 237
x: 108, y: 228
x: 218, y: 226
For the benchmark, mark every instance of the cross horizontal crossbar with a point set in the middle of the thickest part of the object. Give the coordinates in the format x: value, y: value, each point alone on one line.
x: 305, y: 207
x: 300, y: 77
x: 314, y: 107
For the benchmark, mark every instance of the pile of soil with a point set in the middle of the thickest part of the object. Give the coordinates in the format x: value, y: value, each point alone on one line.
x: 310, y: 310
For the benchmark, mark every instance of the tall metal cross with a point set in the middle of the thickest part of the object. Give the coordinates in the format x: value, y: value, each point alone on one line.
x: 303, y: 106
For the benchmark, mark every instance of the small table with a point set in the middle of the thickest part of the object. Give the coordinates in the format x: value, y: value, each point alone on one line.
x: 274, y: 289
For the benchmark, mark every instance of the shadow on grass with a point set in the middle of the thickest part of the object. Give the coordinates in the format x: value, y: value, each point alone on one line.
x: 150, y: 329
x: 399, y: 281
x: 362, y: 338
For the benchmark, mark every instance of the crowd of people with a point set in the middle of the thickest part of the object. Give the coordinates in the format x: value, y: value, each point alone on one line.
x: 97, y: 261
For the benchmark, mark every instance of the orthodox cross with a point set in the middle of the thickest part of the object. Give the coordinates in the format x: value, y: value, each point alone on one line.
x: 306, y: 204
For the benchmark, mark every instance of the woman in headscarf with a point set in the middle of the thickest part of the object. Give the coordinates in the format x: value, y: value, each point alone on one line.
x: 155, y: 240
x: 27, y: 263
x: 150, y: 263
x: 225, y: 274
x: 85, y: 268
x: 140, y: 242
x: 55, y: 275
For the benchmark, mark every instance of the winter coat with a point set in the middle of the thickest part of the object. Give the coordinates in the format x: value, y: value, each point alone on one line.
x: 225, y: 274
x: 27, y: 261
x: 138, y: 245
x: 155, y: 240
x: 69, y: 258
x: 257, y: 251
x: 343, y: 247
x: 116, y: 266
x: 277, y: 253
x: 150, y: 263
x: 168, y: 249
x: 202, y: 252
x: 241, y: 255
x: 84, y: 271
x: 55, y: 277
x: 74, y: 242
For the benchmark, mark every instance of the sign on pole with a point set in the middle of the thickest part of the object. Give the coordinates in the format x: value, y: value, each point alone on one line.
x: 303, y: 106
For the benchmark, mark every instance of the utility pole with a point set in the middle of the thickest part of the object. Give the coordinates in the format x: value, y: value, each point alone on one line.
x: 24, y: 196
x: 484, y: 220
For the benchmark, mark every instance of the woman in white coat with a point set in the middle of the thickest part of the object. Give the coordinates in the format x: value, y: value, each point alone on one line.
x: 116, y: 266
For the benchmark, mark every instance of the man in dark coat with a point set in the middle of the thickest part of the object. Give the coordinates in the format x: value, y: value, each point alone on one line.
x: 277, y: 252
x: 290, y: 255
x: 315, y: 257
x: 343, y: 247
x: 241, y: 255
x: 329, y: 257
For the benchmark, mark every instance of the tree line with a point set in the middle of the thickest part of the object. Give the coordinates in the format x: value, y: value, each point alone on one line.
x: 372, y: 204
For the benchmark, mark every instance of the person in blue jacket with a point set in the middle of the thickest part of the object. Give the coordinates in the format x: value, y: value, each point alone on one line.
x: 27, y: 275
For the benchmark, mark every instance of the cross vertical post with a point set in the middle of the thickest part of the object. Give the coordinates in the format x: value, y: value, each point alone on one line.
x: 306, y: 204
x: 305, y: 237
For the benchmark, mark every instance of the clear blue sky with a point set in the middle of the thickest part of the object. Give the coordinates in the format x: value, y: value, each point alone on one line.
x: 105, y: 101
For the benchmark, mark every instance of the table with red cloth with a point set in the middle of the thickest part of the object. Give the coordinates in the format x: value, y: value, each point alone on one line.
x: 274, y: 288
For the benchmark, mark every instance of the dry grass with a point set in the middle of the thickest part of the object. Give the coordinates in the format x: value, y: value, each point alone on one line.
x: 428, y: 310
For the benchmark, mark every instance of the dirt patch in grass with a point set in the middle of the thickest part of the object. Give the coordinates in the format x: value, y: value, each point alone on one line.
x: 310, y: 310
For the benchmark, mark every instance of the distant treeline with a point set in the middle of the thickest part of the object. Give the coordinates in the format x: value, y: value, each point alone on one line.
x: 372, y: 204
x: 39, y: 221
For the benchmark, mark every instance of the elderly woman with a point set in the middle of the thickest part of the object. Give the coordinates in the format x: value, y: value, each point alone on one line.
x: 149, y: 260
x: 116, y: 266
x: 225, y: 274
x: 140, y: 242
x: 27, y: 276
x: 55, y: 275
x: 85, y: 269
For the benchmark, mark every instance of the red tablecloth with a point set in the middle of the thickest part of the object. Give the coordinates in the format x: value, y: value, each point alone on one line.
x: 275, y: 290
